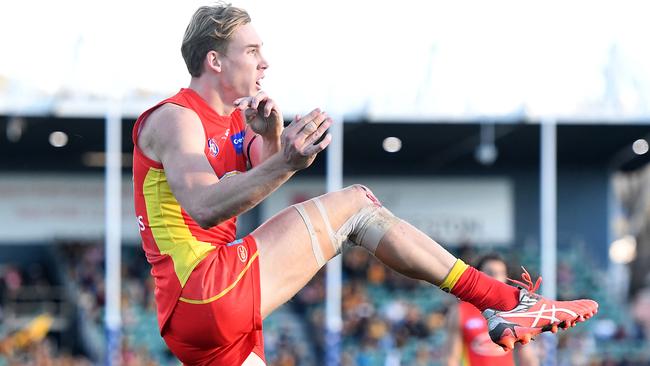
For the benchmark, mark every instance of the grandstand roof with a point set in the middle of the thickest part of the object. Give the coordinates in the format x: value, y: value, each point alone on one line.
x: 426, y: 148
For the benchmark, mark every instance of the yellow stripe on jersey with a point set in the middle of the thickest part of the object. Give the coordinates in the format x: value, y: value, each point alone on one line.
x: 227, y: 289
x: 173, y: 236
x: 454, y: 275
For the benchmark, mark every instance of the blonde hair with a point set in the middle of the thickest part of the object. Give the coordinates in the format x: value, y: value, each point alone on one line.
x: 211, y: 28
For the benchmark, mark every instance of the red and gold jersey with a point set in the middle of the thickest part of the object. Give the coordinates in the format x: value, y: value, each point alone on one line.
x: 173, y: 242
x: 478, y: 348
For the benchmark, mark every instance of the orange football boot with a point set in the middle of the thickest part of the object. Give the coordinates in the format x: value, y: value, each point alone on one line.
x: 535, y: 314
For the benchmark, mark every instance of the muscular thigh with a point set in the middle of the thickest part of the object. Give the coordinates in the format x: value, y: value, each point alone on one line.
x: 286, y: 256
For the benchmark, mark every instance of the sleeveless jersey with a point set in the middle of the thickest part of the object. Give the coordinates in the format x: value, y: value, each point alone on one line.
x: 173, y: 242
x: 478, y: 348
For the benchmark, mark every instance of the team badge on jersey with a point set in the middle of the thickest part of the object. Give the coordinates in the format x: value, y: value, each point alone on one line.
x: 242, y: 252
x: 238, y: 142
x: 214, y: 149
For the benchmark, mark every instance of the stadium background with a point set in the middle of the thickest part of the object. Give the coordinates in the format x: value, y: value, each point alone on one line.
x: 490, y: 81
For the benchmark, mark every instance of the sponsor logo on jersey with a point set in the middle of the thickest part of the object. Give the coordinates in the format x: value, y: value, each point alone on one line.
x: 242, y: 252
x: 238, y: 142
x: 214, y: 149
x: 141, y: 223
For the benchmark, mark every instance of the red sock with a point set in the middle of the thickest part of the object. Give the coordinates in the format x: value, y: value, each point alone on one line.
x: 485, y: 292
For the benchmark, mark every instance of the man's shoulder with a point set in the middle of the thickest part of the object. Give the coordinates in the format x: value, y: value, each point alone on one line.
x: 172, y: 120
x: 167, y: 126
x: 172, y: 112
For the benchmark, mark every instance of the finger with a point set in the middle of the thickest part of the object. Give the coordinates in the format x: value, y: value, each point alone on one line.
x: 313, y: 125
x: 257, y: 99
x: 242, y: 103
x: 250, y: 114
x: 315, y: 149
x: 300, y: 122
x: 254, y: 102
x: 311, y: 121
x: 322, y: 117
x: 309, y: 129
x: 310, y: 116
x: 320, y: 131
x: 243, y: 100
x: 270, y: 105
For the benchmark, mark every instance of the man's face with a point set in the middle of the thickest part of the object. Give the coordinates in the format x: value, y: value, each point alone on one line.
x: 495, y: 269
x: 243, y: 65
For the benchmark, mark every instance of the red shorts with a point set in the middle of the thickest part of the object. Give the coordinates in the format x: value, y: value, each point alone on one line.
x: 217, y: 320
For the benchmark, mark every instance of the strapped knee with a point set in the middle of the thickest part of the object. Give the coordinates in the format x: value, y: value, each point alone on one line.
x: 365, y: 228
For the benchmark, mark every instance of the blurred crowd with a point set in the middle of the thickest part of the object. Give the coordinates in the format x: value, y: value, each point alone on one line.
x: 15, y: 278
x: 140, y: 341
x: 23, y: 338
x: 388, y: 319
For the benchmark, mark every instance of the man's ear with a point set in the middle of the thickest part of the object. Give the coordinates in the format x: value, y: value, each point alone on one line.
x: 213, y: 60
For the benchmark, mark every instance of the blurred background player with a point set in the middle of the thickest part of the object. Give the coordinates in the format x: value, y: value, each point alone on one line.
x: 469, y: 341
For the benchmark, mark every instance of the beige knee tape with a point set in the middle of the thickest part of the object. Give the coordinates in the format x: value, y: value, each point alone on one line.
x: 315, y: 245
x: 335, y: 239
x: 368, y: 226
x: 365, y: 228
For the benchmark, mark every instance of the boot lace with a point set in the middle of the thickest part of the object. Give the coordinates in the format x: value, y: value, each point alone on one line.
x: 528, y: 282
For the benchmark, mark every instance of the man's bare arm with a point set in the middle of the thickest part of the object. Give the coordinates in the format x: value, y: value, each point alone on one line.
x: 174, y: 136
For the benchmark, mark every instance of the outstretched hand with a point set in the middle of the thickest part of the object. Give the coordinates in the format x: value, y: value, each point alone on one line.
x: 300, y: 140
x: 262, y: 114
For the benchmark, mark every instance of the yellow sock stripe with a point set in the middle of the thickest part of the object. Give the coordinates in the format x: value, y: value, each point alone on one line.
x: 453, y: 276
x: 227, y: 289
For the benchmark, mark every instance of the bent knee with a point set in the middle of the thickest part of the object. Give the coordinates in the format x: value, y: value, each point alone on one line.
x: 363, y: 194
